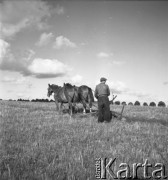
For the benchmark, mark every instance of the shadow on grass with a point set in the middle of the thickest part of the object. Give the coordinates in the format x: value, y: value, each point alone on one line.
x: 78, y: 111
x: 135, y: 179
x: 146, y: 120
x: 113, y: 115
x: 94, y: 114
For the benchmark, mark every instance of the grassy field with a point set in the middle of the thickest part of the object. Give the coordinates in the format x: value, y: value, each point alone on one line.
x: 37, y: 143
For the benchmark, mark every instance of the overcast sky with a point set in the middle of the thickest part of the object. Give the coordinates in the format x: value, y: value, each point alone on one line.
x: 78, y: 42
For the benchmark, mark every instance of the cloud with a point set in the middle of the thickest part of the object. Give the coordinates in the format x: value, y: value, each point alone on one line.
x: 104, y: 55
x: 4, y: 49
x: 118, y: 87
x: 16, y: 80
x: 8, y: 30
x: 165, y: 83
x: 8, y: 79
x: 45, y: 68
x: 21, y: 82
x: 59, y: 10
x: 18, y: 15
x: 118, y: 63
x: 62, y: 41
x: 18, y: 62
x: 27, y: 65
x: 139, y: 94
x: 77, y: 78
x: 44, y: 39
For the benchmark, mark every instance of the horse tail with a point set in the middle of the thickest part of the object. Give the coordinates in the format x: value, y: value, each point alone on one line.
x: 90, y: 95
x: 80, y: 94
x: 76, y: 94
x: 65, y: 91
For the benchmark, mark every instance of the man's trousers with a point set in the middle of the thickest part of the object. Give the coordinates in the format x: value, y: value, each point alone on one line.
x: 104, y: 109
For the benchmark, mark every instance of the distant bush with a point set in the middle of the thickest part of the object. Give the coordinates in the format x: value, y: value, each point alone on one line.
x: 152, y: 104
x: 0, y: 99
x: 117, y: 102
x: 161, y: 104
x: 52, y: 100
x: 145, y: 104
x: 23, y: 100
x: 124, y: 103
x: 137, y: 103
x: 39, y: 100
x: 130, y: 104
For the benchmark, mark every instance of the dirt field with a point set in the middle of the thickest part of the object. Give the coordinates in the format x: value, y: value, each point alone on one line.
x: 37, y: 143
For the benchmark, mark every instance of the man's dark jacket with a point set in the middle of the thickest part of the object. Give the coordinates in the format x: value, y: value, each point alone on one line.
x: 102, y: 90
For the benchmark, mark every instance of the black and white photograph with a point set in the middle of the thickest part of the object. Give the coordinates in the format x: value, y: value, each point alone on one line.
x: 83, y: 89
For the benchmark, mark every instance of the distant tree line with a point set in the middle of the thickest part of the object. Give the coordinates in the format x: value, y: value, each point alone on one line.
x: 42, y: 100
x: 137, y: 103
x: 26, y: 100
x: 33, y: 100
x: 39, y: 100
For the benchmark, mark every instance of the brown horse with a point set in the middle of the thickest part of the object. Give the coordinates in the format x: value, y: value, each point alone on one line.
x: 59, y: 95
x: 71, y: 95
x: 65, y: 94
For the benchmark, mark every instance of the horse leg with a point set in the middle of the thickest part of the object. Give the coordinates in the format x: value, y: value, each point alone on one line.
x: 90, y: 106
x: 90, y: 100
x: 84, y: 110
x: 70, y: 111
x: 57, y: 105
x: 84, y: 106
x: 60, y: 109
x: 76, y: 108
x: 90, y: 109
x: 70, y: 108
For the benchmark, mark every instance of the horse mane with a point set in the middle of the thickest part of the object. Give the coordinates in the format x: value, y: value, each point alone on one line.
x: 55, y: 87
x: 68, y: 85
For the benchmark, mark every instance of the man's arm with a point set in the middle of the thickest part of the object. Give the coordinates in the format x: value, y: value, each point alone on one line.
x: 96, y: 93
x: 108, y: 91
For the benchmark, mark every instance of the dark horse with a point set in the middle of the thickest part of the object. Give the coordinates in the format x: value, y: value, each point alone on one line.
x: 85, y: 96
x: 71, y: 95
x: 82, y: 94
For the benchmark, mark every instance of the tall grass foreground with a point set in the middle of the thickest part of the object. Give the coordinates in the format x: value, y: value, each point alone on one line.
x: 38, y: 143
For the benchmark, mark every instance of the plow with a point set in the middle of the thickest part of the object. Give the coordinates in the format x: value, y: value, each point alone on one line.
x: 114, y: 114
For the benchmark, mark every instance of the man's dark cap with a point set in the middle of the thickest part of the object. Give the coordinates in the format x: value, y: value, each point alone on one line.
x: 103, y: 79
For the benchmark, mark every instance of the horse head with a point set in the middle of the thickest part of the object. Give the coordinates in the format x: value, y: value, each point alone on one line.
x: 50, y: 90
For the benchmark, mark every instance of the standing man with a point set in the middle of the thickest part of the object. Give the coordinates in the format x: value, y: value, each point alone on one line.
x: 102, y: 92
